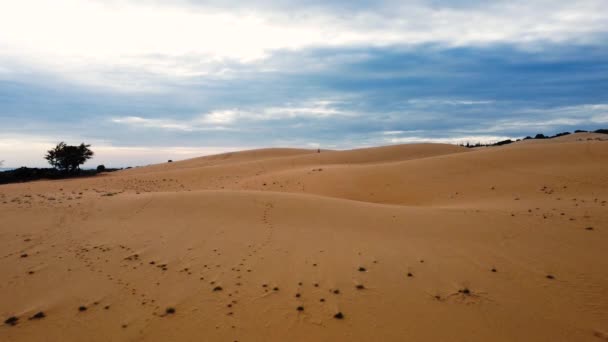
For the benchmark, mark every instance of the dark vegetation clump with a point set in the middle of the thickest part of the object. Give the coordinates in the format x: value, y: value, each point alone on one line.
x: 339, y: 315
x: 362, y: 269
x: 503, y: 142
x: 11, y: 321
x: 560, y: 134
x: 28, y: 174
x: 465, y: 291
x: 82, y: 308
x: 38, y: 315
x: 170, y: 311
x: 500, y: 143
x: 67, y: 158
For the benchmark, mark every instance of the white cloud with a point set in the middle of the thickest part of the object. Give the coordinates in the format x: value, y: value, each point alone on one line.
x: 600, y: 118
x: 220, y: 117
x: 20, y: 150
x: 318, y: 109
x: 583, y: 110
x: 452, y: 102
x: 473, y: 139
x: 152, y: 123
x: 226, y: 119
x: 88, y: 41
x: 202, y: 124
x: 550, y: 118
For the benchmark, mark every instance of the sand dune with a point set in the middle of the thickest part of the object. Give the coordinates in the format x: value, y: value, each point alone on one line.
x: 422, y: 242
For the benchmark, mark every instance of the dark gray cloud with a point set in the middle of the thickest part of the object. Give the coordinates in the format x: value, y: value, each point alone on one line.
x: 439, y: 92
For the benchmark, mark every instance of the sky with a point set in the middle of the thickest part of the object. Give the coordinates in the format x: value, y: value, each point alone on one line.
x: 148, y: 80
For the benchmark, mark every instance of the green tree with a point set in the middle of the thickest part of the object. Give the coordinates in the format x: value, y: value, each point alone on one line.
x: 68, y: 158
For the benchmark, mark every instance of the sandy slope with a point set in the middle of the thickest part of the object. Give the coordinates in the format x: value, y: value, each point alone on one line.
x: 273, y: 230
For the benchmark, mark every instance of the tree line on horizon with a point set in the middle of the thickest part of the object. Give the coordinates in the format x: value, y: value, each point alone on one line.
x: 65, y: 161
x: 537, y: 136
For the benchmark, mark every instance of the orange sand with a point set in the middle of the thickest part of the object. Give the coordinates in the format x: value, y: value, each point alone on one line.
x: 268, y: 225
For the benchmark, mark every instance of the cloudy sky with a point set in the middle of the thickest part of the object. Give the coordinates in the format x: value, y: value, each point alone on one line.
x: 148, y: 80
